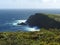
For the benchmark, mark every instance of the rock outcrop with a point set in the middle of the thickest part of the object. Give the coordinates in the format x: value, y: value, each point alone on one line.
x: 42, y: 21
x: 22, y: 23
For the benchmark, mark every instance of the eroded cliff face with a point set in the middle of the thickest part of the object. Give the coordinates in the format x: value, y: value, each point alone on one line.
x: 42, y: 21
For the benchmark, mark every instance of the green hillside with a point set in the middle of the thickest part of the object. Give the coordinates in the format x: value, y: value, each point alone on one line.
x: 55, y: 17
x: 42, y: 37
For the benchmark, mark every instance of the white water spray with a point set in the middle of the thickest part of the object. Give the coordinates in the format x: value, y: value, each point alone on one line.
x: 32, y: 28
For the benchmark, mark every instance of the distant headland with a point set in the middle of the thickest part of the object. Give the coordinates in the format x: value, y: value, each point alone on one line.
x: 44, y: 21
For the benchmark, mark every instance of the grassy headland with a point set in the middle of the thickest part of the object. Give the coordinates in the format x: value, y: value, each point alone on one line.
x: 42, y: 37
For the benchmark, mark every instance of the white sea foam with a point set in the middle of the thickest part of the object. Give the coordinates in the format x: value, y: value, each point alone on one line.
x: 18, y: 21
x: 26, y: 27
x: 32, y: 29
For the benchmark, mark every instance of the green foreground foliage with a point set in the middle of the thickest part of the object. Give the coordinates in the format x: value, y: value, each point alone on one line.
x: 42, y: 37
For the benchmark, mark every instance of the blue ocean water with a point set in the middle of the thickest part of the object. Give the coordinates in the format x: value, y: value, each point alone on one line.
x: 9, y: 17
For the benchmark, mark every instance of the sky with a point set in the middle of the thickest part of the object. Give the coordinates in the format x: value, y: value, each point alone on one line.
x: 29, y: 4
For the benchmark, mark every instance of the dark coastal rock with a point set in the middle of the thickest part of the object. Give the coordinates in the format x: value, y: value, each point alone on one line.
x: 21, y: 23
x: 42, y: 21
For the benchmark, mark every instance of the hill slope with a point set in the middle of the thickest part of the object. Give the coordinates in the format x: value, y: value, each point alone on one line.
x: 43, y: 37
x: 44, y: 21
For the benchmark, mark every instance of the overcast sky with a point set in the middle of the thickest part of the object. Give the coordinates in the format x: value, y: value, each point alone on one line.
x: 29, y: 4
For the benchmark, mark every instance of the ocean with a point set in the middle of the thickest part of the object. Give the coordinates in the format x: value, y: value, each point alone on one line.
x: 10, y: 17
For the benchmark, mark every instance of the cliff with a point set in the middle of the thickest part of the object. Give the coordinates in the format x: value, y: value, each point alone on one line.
x: 44, y: 21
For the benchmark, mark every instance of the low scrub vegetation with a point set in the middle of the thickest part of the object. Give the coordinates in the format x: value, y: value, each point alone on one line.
x: 42, y: 37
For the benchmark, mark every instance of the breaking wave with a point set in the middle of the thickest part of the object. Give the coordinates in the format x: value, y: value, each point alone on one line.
x: 14, y: 23
x: 32, y: 28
